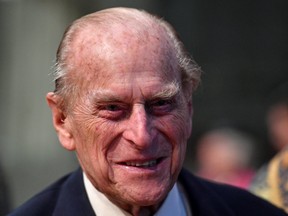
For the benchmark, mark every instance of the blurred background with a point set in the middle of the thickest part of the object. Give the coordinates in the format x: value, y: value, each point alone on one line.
x: 242, y: 47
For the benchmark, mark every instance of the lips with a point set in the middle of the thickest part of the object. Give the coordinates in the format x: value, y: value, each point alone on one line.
x: 142, y: 164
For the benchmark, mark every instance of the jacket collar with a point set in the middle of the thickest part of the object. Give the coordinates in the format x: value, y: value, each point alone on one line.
x: 203, y: 201
x: 73, y: 200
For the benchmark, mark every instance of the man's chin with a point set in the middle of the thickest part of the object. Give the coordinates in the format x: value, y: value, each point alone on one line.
x: 142, y: 186
x: 136, y: 197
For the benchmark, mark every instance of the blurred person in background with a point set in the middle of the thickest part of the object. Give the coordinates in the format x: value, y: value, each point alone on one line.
x: 277, y: 123
x: 224, y: 155
x: 271, y: 181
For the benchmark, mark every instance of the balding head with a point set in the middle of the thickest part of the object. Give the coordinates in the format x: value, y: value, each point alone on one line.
x: 112, y: 31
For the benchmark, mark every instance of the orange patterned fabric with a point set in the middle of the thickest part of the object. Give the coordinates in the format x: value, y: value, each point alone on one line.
x: 271, y: 183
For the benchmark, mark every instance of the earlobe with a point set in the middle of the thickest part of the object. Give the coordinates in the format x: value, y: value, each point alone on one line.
x: 60, y: 122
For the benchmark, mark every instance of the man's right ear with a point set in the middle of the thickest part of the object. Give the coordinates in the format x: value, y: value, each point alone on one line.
x: 60, y: 122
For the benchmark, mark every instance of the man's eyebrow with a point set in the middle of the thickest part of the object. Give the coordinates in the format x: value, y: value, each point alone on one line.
x: 104, y: 95
x: 169, y: 91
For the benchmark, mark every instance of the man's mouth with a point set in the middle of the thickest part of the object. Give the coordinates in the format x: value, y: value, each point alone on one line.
x: 145, y: 164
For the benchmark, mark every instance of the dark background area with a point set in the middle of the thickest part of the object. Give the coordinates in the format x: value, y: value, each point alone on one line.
x: 242, y: 47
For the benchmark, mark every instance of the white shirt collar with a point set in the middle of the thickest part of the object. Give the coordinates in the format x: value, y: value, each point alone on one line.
x: 102, y: 206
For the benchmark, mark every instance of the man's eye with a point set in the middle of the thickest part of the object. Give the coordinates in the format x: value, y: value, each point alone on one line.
x: 111, y: 111
x: 161, y: 107
x: 162, y: 103
x: 112, y: 107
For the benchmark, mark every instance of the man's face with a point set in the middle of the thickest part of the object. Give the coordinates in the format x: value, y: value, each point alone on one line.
x: 130, y: 122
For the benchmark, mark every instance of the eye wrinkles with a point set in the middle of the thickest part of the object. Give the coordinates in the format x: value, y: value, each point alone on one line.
x: 118, y: 111
x: 107, y: 104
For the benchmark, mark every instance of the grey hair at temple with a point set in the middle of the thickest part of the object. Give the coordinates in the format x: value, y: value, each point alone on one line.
x: 190, y: 71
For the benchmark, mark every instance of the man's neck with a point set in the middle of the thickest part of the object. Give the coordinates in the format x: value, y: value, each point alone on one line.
x: 172, y: 205
x: 143, y: 211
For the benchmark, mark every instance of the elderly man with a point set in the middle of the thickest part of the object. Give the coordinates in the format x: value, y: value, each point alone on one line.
x: 123, y: 103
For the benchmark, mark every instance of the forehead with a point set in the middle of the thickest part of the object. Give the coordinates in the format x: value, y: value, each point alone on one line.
x: 110, y: 53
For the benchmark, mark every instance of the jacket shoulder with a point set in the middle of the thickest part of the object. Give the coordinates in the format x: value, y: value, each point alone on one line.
x: 222, y: 198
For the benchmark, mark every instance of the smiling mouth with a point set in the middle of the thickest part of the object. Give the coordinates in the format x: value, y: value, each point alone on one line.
x: 146, y: 164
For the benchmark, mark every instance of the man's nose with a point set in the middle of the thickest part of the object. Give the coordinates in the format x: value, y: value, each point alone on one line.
x: 139, y: 128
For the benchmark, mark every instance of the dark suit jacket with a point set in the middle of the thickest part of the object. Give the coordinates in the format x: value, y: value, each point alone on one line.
x: 67, y: 197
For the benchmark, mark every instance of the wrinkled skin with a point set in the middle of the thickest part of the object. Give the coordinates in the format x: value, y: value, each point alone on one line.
x: 130, y: 123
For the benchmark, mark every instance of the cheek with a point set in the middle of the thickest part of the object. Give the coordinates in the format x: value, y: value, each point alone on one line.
x: 177, y: 131
x: 93, y: 139
x: 176, y: 127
